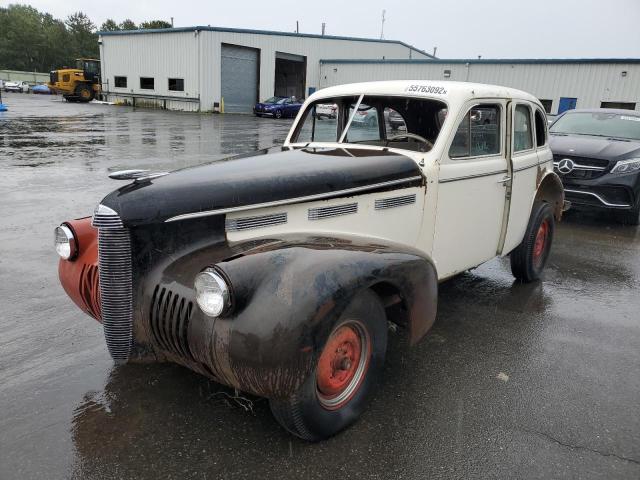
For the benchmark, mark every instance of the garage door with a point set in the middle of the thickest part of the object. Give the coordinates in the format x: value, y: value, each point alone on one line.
x: 239, y: 71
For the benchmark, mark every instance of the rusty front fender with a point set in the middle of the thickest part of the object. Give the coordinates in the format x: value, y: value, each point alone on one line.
x: 287, y: 296
x: 79, y: 277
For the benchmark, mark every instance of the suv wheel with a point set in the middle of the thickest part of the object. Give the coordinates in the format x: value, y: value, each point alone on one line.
x: 348, y: 367
x: 629, y: 217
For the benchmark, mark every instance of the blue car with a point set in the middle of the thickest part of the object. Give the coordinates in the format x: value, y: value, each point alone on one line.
x: 278, y: 107
x: 42, y: 89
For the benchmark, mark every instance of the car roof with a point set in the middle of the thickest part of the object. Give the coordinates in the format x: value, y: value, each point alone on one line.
x: 619, y: 111
x: 435, y: 89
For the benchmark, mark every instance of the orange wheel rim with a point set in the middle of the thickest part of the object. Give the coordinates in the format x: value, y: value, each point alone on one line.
x: 342, y: 365
x: 540, y: 243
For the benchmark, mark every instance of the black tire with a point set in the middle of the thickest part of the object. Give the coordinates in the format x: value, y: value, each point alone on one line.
x: 278, y: 114
x: 84, y: 93
x: 629, y: 217
x: 310, y: 415
x: 529, y: 258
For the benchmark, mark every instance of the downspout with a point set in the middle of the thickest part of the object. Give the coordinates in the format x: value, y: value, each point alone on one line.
x: 199, y: 73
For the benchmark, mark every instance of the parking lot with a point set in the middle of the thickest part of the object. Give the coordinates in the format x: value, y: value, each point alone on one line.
x: 514, y: 381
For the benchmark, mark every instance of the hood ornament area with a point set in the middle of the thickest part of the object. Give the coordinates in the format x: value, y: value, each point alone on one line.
x: 136, y: 175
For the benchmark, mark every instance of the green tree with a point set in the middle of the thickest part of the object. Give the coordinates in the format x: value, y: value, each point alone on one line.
x: 128, y: 25
x: 109, y: 26
x: 155, y: 24
x: 84, y: 41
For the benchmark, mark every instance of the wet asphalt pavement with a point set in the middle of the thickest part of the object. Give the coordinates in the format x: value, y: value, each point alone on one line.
x: 514, y: 381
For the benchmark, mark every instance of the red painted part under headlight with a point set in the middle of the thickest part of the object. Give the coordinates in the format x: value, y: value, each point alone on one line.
x: 79, y: 277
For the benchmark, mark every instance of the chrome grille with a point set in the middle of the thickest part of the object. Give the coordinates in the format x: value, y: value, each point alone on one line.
x: 333, y: 211
x: 260, y: 221
x: 393, y: 202
x: 114, y: 268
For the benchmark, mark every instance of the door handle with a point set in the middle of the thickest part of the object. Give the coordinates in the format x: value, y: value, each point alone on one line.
x: 504, y: 180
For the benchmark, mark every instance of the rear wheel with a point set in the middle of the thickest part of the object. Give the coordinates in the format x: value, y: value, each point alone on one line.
x: 84, y: 93
x: 529, y: 258
x: 348, y: 367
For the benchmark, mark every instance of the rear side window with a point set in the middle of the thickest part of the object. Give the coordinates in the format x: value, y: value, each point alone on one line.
x: 478, y: 133
x: 522, y: 132
x: 541, y: 129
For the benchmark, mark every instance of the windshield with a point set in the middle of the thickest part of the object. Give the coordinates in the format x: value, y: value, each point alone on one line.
x: 275, y: 100
x: 602, y: 124
x: 394, y: 121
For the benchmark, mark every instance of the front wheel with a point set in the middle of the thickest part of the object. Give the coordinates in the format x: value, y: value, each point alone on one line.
x: 346, y: 372
x: 529, y: 258
x: 278, y: 114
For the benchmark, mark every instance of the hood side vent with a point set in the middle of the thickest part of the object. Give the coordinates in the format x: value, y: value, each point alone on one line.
x: 169, y: 319
x: 260, y: 221
x: 333, y: 211
x: 392, y: 202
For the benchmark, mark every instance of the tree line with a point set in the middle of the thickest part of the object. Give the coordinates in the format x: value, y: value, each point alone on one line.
x: 34, y: 41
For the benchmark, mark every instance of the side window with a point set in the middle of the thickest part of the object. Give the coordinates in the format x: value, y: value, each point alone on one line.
x: 541, y: 129
x: 315, y: 130
x: 522, y: 133
x: 478, y: 133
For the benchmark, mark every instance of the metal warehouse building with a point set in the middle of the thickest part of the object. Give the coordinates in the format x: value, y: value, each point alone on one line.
x: 559, y: 84
x: 203, y: 68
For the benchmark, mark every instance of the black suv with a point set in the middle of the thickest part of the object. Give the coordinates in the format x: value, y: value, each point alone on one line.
x: 597, y: 155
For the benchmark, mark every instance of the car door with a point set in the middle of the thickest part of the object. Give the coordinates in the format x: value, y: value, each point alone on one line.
x: 524, y: 162
x: 472, y: 188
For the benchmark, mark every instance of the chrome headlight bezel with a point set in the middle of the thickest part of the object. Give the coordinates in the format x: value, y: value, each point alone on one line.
x: 213, y: 293
x: 65, y: 242
x: 630, y: 165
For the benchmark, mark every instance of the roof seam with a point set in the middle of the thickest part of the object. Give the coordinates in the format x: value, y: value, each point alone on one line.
x: 444, y: 61
x: 260, y: 32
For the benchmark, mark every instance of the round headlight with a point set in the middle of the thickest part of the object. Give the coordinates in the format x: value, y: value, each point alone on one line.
x: 212, y: 292
x: 65, y: 242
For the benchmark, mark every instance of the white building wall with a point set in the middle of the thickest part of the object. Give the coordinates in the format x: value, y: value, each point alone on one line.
x: 196, y: 57
x: 590, y: 83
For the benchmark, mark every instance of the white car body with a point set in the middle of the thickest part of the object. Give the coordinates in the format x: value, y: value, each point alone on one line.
x: 21, y: 87
x: 468, y: 210
x: 326, y: 110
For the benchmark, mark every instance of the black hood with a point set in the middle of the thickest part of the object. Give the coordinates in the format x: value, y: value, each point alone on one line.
x: 589, y: 146
x: 261, y: 177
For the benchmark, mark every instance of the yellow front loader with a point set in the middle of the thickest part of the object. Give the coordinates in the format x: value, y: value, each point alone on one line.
x: 80, y: 84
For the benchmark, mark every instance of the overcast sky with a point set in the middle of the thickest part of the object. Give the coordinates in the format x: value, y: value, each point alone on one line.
x: 459, y: 28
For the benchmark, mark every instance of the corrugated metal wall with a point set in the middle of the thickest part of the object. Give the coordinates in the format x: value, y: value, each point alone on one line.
x: 152, y: 55
x: 590, y: 83
x: 196, y: 57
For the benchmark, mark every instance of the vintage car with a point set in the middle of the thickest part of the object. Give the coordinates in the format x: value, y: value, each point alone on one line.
x: 276, y: 273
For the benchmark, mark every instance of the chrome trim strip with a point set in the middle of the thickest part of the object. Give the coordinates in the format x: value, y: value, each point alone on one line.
x: 602, y: 200
x: 289, y: 201
x: 321, y: 213
x: 259, y: 221
x: 392, y: 202
x: 469, y: 177
x: 578, y: 166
